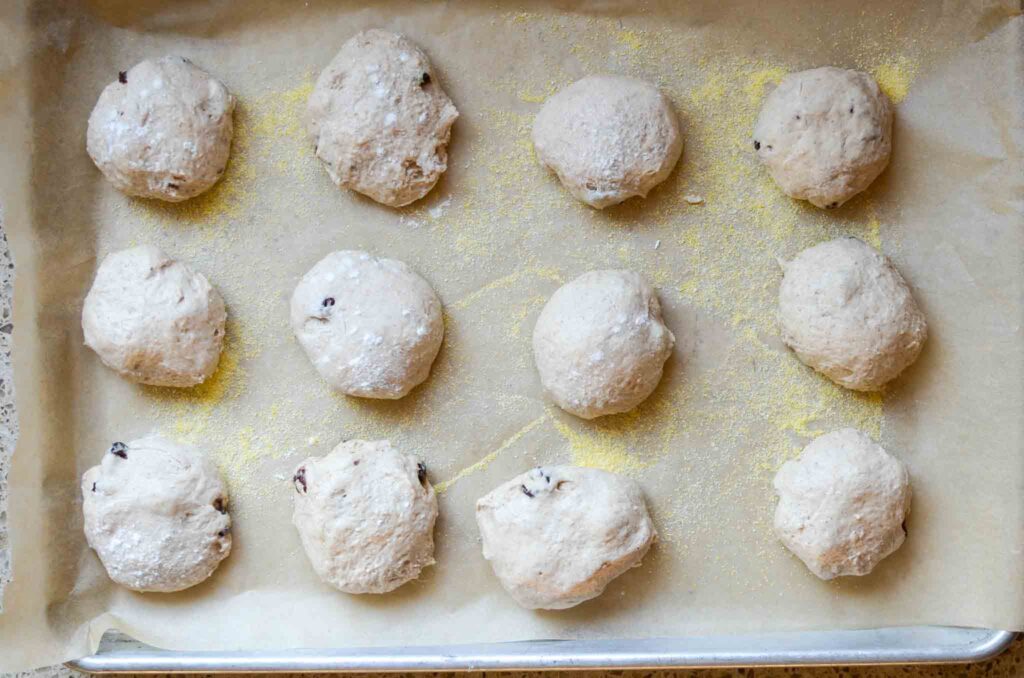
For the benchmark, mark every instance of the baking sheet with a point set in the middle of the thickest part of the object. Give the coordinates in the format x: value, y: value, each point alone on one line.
x: 495, y: 238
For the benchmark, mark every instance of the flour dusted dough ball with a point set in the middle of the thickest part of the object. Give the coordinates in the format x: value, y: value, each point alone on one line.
x: 156, y: 513
x: 608, y: 138
x: 371, y: 327
x: 557, y: 535
x: 379, y: 119
x: 842, y: 504
x: 153, y: 319
x: 847, y: 312
x: 600, y: 343
x: 365, y: 514
x: 825, y: 134
x: 162, y: 130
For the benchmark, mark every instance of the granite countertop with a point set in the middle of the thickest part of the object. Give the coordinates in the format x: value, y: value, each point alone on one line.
x: 1010, y: 663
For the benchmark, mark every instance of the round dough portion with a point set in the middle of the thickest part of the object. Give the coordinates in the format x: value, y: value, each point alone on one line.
x: 379, y: 119
x: 156, y: 513
x: 557, y: 535
x: 608, y: 138
x: 842, y: 504
x: 600, y: 343
x: 371, y: 326
x: 162, y: 130
x: 825, y: 134
x: 847, y: 312
x: 153, y: 319
x: 365, y: 514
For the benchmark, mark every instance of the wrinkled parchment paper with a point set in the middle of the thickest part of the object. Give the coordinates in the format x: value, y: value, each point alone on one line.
x: 495, y: 238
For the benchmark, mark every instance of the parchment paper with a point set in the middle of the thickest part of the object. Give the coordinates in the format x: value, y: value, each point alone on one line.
x: 495, y: 238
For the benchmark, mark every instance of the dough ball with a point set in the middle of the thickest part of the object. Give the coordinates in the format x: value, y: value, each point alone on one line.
x: 842, y: 504
x: 162, y: 130
x: 847, y: 312
x: 379, y: 119
x: 371, y: 327
x: 600, y: 343
x: 608, y: 138
x: 557, y: 535
x: 365, y: 514
x: 156, y: 513
x: 153, y: 319
x: 825, y: 134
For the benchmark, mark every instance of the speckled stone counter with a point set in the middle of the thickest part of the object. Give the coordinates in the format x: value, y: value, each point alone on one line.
x: 1011, y: 663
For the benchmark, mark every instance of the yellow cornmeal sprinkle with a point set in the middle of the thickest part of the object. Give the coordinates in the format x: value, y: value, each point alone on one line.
x: 894, y: 78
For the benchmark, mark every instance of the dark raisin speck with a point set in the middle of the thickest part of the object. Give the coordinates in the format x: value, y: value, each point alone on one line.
x: 425, y: 80
x: 769, y: 147
x: 173, y: 187
x: 94, y: 487
x: 851, y: 109
x: 328, y: 302
x: 757, y: 145
x: 797, y: 117
x: 218, y: 505
x: 122, y: 77
x: 300, y: 479
x: 421, y: 472
x: 831, y: 205
x: 355, y: 463
x: 119, y: 450
x: 222, y: 533
x: 526, y: 491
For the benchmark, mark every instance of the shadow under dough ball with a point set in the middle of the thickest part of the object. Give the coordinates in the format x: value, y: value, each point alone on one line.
x: 162, y: 130
x: 825, y: 134
x: 156, y: 513
x: 379, y: 120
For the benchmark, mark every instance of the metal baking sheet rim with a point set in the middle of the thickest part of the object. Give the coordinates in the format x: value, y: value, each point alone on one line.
x: 903, y: 645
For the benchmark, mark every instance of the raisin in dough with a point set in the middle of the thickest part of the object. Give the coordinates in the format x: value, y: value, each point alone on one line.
x: 557, y: 535
x: 365, y: 514
x: 156, y: 513
x: 608, y: 138
x: 842, y: 504
x: 847, y: 312
x: 371, y: 327
x: 153, y: 319
x: 825, y: 134
x: 162, y: 130
x: 379, y: 119
x: 600, y: 344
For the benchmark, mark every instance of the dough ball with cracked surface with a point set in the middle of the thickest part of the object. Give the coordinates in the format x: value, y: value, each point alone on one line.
x: 847, y: 312
x: 380, y: 121
x: 365, y: 514
x: 162, y: 130
x: 371, y: 326
x: 825, y: 134
x: 842, y: 504
x: 600, y: 343
x: 608, y: 138
x: 156, y: 513
x: 557, y: 535
x: 154, y: 319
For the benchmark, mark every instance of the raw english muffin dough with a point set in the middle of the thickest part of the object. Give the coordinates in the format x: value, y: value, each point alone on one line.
x: 365, y: 514
x: 371, y: 327
x: 600, y: 344
x: 162, y: 130
x: 608, y: 138
x: 379, y: 119
x: 847, y: 312
x: 825, y: 134
x: 842, y: 504
x: 156, y: 513
x: 557, y: 535
x: 153, y: 319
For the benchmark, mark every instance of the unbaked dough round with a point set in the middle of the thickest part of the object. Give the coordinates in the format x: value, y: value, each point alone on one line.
x: 156, y: 513
x: 153, y: 319
x: 842, y: 504
x: 365, y: 514
x: 557, y: 535
x: 825, y: 134
x: 162, y: 130
x: 608, y: 138
x: 600, y: 343
x: 847, y: 312
x: 371, y: 327
x: 379, y: 119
